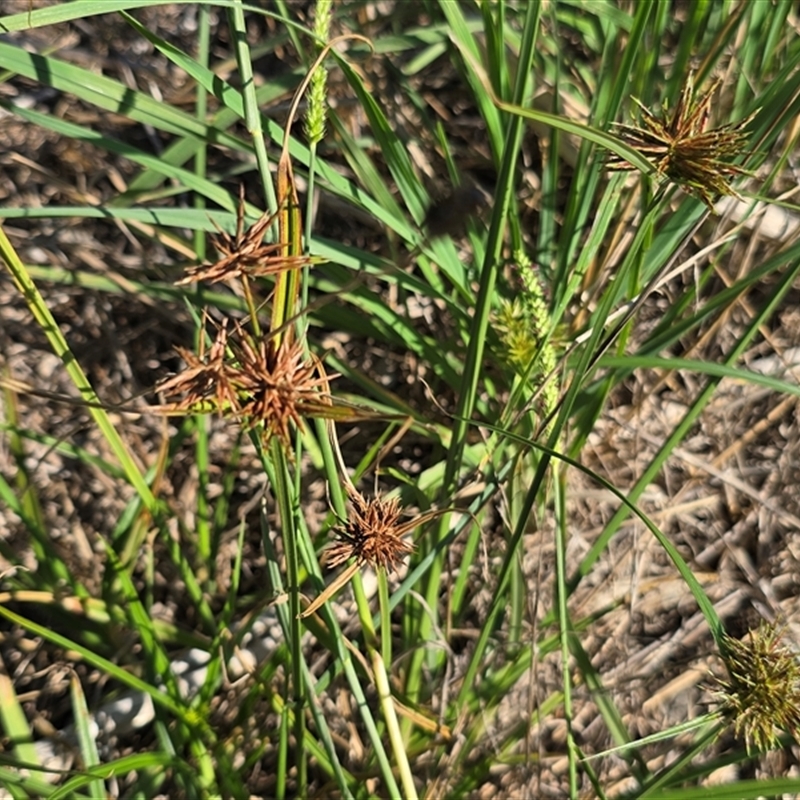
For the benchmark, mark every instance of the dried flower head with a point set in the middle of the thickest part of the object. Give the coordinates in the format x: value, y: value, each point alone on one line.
x: 207, y: 379
x: 257, y: 382
x: 245, y: 253
x: 277, y: 385
x: 762, y: 694
x: 683, y: 150
x: 373, y: 533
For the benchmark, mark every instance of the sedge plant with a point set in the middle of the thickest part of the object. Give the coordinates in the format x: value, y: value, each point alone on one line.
x: 427, y: 497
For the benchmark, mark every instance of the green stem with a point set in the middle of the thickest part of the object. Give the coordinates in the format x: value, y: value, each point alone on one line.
x: 474, y: 359
x: 252, y: 115
x: 94, y: 406
x: 386, y: 624
x: 390, y: 718
x: 283, y: 496
x: 382, y: 685
x: 204, y: 545
x: 565, y: 624
x: 283, y: 749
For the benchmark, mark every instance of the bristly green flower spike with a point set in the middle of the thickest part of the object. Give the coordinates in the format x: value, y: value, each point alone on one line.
x: 524, y: 325
x: 683, y: 149
x: 317, y: 92
x: 762, y: 693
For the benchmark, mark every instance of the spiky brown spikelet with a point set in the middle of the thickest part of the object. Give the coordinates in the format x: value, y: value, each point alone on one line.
x: 207, y: 379
x: 256, y: 381
x: 683, y: 149
x: 373, y: 534
x: 245, y: 254
x: 278, y: 385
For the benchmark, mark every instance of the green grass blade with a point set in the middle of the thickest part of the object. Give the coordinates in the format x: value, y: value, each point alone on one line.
x: 44, y: 318
x: 111, y: 95
x: 15, y: 723
x: 185, y: 177
x: 87, y: 730
x: 108, y: 667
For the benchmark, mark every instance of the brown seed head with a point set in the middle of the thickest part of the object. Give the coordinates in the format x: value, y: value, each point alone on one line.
x: 255, y: 381
x: 245, y: 253
x: 206, y: 379
x: 373, y: 534
x: 278, y: 385
x: 683, y: 150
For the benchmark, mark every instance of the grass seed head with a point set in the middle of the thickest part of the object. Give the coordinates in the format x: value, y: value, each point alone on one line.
x: 245, y: 254
x: 254, y: 381
x: 683, y: 149
x: 373, y: 534
x: 318, y: 90
x: 278, y: 385
x: 524, y: 327
x: 762, y: 693
x: 207, y: 379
